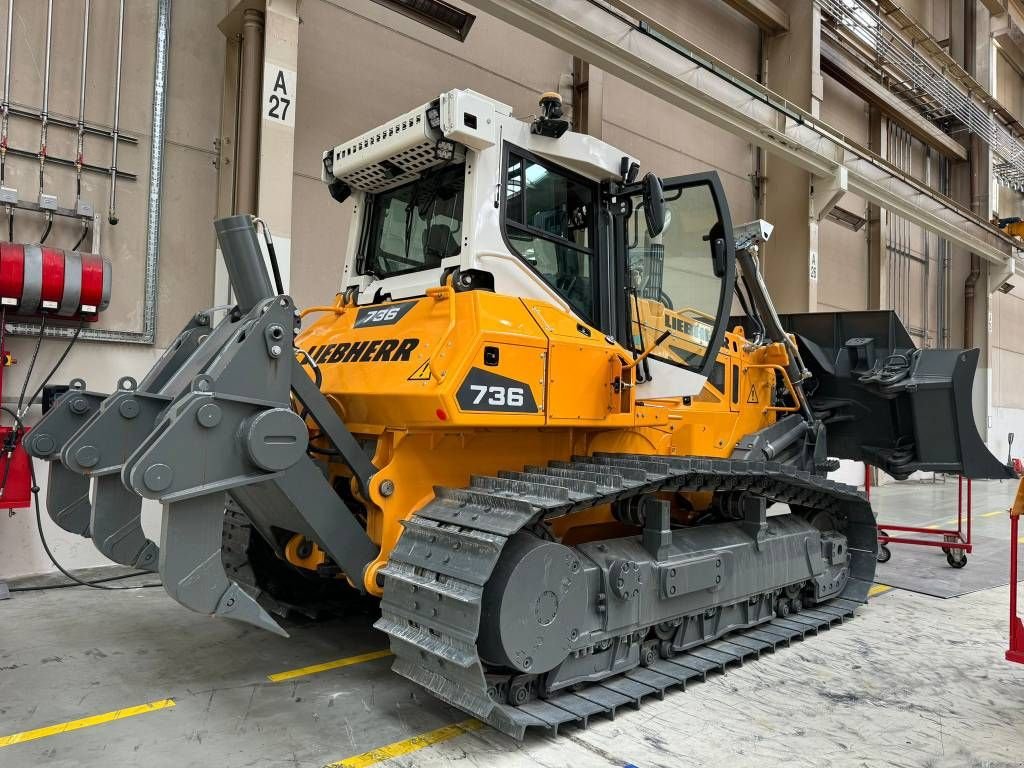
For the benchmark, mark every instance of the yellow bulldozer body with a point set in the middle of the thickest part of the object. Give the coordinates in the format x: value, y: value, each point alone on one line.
x: 413, y: 376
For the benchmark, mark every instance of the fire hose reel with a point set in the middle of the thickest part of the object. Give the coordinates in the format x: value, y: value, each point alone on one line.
x: 35, y: 279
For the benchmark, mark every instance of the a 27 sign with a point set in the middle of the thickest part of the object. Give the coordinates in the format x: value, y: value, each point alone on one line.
x: 279, y: 94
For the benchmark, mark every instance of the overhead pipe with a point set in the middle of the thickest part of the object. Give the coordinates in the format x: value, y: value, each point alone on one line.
x: 44, y: 117
x: 80, y: 153
x: 112, y: 208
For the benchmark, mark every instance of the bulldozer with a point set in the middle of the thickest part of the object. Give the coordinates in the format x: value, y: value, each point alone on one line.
x: 551, y: 419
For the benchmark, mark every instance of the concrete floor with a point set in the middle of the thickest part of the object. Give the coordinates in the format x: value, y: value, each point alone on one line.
x: 913, y: 680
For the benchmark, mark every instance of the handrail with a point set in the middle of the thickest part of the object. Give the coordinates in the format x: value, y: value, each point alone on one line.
x: 789, y: 386
x: 442, y: 293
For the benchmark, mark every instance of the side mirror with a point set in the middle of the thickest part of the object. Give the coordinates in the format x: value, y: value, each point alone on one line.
x: 654, y: 204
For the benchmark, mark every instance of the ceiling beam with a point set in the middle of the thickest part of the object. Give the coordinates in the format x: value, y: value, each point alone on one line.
x: 766, y: 14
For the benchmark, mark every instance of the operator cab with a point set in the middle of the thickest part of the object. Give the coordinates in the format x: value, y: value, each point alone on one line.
x: 460, y: 189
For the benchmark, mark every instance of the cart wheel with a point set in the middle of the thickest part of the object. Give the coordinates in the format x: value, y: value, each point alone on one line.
x: 948, y: 551
x: 884, y: 554
x: 956, y: 558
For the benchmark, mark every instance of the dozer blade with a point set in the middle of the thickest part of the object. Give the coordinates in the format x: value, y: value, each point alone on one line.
x: 191, y: 567
x: 889, y: 404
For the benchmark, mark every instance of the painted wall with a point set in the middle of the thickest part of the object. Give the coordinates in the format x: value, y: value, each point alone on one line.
x: 843, y: 253
x: 189, y: 186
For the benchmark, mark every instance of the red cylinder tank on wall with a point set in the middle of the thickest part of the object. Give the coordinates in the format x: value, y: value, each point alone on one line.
x: 35, y: 279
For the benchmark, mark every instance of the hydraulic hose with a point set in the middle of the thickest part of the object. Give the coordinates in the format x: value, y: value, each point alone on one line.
x: 773, y: 326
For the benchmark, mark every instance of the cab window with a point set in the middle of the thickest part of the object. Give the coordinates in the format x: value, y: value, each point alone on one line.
x: 549, y: 223
x: 676, y: 279
x: 416, y: 225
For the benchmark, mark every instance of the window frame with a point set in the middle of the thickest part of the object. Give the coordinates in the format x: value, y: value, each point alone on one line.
x: 598, y: 281
x: 712, y: 180
x: 372, y: 204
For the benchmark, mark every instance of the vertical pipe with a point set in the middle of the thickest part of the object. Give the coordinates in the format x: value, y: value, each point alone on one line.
x: 927, y: 251
x: 760, y: 201
x: 5, y: 108
x: 251, y: 95
x: 979, y: 199
x: 79, y: 155
x: 44, y: 120
x: 112, y: 209
x: 6, y: 105
x: 907, y: 166
x: 45, y: 116
x: 901, y: 160
x: 889, y: 226
x: 156, y: 165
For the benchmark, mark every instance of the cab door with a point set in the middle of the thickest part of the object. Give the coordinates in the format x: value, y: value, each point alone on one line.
x: 678, y: 284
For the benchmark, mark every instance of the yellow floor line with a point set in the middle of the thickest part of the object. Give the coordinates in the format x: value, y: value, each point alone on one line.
x: 945, y: 524
x: 291, y: 674
x: 994, y: 513
x: 85, y: 722
x: 878, y: 589
x: 414, y: 744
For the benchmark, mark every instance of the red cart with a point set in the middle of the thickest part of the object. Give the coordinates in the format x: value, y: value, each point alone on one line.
x: 956, y: 543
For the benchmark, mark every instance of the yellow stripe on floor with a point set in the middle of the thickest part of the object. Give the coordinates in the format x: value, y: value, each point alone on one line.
x: 291, y: 674
x: 934, y: 526
x: 85, y: 722
x: 414, y: 744
x: 994, y: 513
x: 878, y: 589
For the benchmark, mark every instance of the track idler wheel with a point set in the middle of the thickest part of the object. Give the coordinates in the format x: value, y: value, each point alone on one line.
x: 782, y: 607
x: 649, y: 652
x: 534, y: 605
